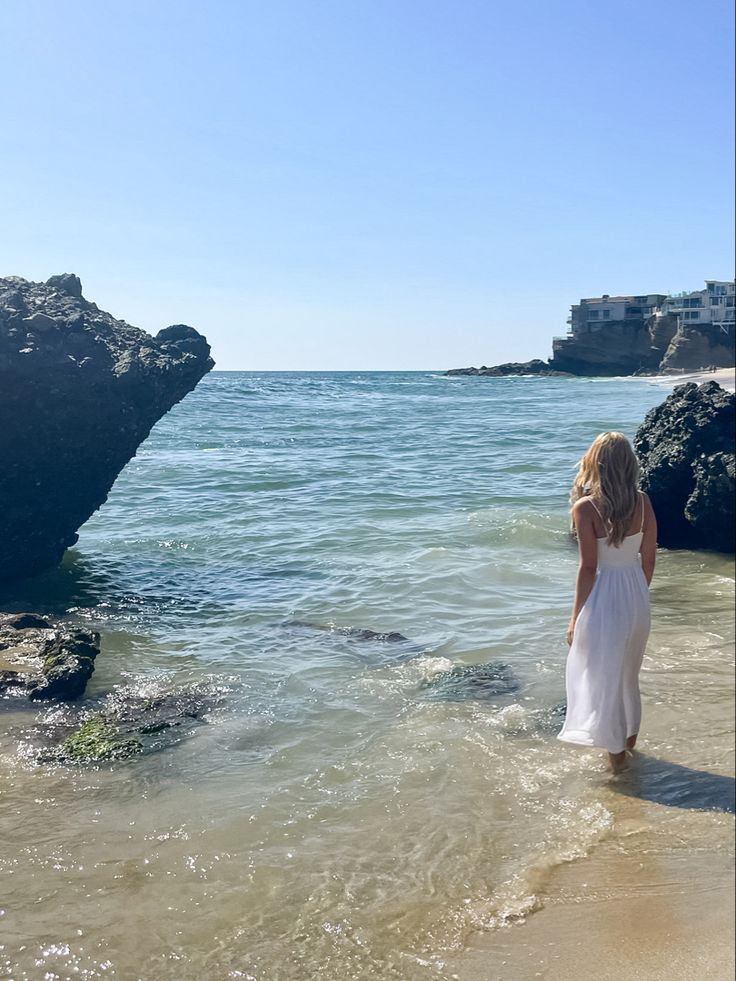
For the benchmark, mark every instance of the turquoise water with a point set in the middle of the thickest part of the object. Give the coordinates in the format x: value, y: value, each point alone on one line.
x: 329, y: 818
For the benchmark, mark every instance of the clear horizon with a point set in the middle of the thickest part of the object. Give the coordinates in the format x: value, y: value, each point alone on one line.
x: 367, y: 186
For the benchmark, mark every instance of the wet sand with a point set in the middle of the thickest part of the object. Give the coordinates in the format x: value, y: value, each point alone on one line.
x: 614, y: 916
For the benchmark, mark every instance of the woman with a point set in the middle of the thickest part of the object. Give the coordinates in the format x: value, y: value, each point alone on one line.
x: 617, y: 538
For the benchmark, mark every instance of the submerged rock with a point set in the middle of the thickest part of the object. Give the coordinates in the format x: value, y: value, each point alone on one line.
x: 95, y: 741
x: 79, y: 392
x: 126, y: 723
x: 686, y: 448
x: 356, y: 633
x: 471, y: 681
x: 40, y: 659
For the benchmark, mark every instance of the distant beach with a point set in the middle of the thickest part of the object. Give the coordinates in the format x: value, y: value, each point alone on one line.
x: 726, y: 378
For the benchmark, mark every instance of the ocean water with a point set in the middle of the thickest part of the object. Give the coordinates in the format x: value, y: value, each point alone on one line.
x: 333, y: 818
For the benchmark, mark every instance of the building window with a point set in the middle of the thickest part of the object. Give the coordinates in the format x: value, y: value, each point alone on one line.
x: 691, y: 315
x: 730, y: 301
x: 692, y: 302
x: 606, y: 314
x: 592, y: 314
x: 715, y: 301
x: 633, y: 311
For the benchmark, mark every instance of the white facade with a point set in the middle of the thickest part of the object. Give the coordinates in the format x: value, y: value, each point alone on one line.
x: 716, y: 304
x: 593, y: 313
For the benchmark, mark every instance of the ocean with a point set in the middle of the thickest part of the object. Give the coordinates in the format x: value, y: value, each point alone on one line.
x: 347, y: 812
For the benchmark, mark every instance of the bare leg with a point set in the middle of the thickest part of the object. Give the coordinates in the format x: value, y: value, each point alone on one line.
x: 631, y: 741
x: 617, y: 761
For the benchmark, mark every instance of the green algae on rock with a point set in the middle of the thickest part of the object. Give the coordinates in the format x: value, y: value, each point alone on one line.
x: 125, y: 723
x: 95, y: 741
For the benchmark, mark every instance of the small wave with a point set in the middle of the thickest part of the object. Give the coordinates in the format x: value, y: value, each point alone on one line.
x: 579, y: 830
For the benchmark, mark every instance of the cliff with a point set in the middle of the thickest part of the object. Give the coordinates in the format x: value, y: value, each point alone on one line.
x: 79, y: 392
x: 696, y: 347
x: 624, y: 347
x: 619, y: 347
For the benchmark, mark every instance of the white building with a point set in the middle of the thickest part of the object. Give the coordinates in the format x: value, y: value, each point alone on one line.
x: 593, y: 313
x: 716, y: 304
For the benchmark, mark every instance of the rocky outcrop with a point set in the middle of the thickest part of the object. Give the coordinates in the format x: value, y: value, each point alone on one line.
x: 40, y: 659
x: 617, y: 347
x: 79, y: 392
x: 639, y: 346
x: 692, y: 348
x: 534, y: 367
x: 686, y: 448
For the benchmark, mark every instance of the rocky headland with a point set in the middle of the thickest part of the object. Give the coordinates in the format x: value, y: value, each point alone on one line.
x: 79, y: 392
x: 534, y: 367
x: 656, y: 345
x: 686, y: 448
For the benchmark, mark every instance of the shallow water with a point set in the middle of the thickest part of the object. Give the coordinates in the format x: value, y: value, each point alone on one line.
x: 331, y: 818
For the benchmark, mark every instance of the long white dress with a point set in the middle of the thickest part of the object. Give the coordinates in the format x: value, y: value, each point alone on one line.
x: 611, y: 632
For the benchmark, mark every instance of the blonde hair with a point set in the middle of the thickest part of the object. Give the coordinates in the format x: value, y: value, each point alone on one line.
x: 609, y: 474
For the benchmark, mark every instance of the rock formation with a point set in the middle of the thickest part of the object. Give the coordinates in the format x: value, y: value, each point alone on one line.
x: 534, y: 367
x: 686, y: 447
x: 44, y: 660
x: 79, y: 392
x: 693, y: 347
x: 615, y: 347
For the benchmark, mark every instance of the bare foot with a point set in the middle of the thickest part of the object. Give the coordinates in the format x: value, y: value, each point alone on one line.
x: 617, y: 761
x: 631, y: 741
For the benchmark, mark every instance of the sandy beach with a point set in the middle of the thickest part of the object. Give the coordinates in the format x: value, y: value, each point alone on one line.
x: 645, y: 916
x: 726, y: 377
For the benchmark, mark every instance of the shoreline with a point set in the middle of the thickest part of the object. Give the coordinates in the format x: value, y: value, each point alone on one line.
x: 726, y: 378
x: 657, y: 917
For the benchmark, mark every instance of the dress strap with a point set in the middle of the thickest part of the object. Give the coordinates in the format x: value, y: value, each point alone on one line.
x: 605, y: 523
x: 642, y: 511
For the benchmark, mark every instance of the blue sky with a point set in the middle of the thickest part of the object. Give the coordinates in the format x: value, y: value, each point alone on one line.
x: 344, y: 184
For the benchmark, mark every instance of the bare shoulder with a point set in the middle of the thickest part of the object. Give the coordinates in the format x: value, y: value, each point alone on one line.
x: 583, y: 510
x: 649, y: 515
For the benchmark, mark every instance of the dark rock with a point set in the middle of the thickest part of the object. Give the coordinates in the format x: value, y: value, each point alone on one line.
x: 534, y: 367
x: 471, y: 681
x: 67, y: 283
x: 610, y: 348
x: 42, y: 660
x: 356, y: 633
x: 21, y: 621
x: 361, y: 633
x: 39, y: 322
x: 79, y: 392
x: 710, y: 507
x: 686, y: 448
x: 125, y: 723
